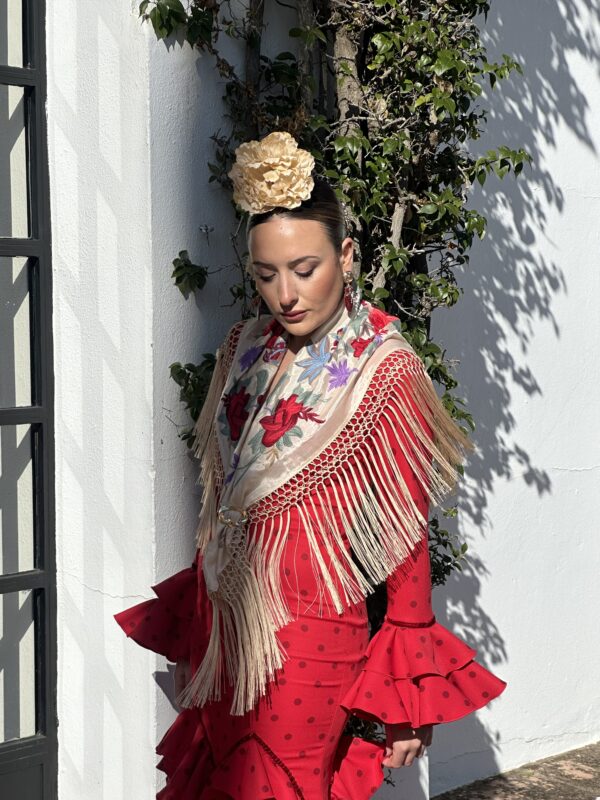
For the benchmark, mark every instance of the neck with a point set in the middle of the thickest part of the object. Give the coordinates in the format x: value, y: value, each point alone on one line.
x: 296, y: 343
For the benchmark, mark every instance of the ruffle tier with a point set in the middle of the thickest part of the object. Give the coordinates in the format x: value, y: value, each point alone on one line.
x: 163, y: 625
x: 357, y: 769
x: 185, y: 758
x: 420, y: 676
x: 252, y: 769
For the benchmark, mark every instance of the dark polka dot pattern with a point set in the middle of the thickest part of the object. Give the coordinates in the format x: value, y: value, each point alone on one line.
x: 290, y: 746
x: 162, y: 625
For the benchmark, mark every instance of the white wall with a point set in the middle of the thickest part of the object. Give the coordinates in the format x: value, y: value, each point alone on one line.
x: 128, y: 124
x: 527, y: 335
x: 128, y: 131
x: 184, y: 110
x: 102, y: 261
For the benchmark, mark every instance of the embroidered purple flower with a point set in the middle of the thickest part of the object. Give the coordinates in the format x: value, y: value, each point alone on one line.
x: 249, y: 357
x: 234, y: 463
x: 339, y: 374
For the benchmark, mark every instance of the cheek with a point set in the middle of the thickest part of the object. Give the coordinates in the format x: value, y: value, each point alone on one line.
x: 327, y: 285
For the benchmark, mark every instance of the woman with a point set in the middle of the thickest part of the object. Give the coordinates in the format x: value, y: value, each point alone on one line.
x: 322, y: 442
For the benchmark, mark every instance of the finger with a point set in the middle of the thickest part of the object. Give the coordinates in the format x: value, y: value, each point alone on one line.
x: 394, y: 760
x: 421, y: 752
x: 393, y: 763
x: 389, y: 760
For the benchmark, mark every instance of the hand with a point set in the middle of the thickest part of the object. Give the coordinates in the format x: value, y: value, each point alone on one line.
x: 183, y: 675
x: 404, y: 744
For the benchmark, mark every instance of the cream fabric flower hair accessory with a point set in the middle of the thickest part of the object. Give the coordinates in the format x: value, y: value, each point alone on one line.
x: 271, y: 173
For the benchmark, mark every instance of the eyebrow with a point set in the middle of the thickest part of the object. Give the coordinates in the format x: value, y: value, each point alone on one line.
x: 290, y: 264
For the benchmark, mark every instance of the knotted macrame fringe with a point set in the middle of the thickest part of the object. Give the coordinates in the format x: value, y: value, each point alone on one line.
x: 206, y: 448
x: 375, y: 511
x: 243, y: 647
x: 362, y: 500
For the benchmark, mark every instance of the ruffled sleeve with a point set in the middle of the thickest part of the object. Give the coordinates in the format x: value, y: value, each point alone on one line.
x: 416, y: 672
x: 164, y: 624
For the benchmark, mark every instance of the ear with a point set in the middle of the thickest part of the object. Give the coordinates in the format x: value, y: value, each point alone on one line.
x: 347, y: 257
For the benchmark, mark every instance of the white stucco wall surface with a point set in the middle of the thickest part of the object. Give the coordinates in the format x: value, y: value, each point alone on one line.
x: 184, y: 111
x: 128, y: 124
x: 526, y: 335
x: 101, y: 208
x: 129, y: 121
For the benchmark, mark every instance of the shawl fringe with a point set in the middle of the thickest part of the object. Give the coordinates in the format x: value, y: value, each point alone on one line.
x: 373, y: 510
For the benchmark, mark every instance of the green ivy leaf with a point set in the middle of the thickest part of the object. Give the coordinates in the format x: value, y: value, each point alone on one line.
x: 188, y: 277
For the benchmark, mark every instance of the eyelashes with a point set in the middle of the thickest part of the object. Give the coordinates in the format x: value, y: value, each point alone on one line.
x: 302, y: 275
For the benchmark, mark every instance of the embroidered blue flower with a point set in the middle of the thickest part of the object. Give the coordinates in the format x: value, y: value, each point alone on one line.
x: 249, y: 357
x: 316, y: 362
x: 339, y: 374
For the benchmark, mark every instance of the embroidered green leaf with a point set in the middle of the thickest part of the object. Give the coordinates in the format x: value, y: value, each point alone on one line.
x: 261, y: 381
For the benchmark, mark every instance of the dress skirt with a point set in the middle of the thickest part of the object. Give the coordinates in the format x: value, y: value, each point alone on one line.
x: 291, y: 746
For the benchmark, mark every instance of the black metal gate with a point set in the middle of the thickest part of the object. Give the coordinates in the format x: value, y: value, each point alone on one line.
x: 28, y: 750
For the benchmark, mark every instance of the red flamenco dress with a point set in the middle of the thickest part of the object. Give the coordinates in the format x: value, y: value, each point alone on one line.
x: 291, y: 746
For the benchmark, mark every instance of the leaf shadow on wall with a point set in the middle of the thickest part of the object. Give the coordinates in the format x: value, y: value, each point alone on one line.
x: 511, y: 288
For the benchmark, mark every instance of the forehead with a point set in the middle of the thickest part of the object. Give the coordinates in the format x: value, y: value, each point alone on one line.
x: 286, y: 235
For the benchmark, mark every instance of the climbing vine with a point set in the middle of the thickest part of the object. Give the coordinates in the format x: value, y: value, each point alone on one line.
x: 384, y: 93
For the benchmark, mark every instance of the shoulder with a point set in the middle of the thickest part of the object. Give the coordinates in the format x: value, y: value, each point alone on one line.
x: 399, y: 391
x: 244, y: 333
x: 232, y: 337
x: 397, y: 368
x: 228, y: 346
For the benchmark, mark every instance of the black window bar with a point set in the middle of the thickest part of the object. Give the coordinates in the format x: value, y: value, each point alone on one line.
x: 28, y: 735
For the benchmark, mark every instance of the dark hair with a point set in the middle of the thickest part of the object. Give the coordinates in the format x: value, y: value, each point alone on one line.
x: 322, y: 206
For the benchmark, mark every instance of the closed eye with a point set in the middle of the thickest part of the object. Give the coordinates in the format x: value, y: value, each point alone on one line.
x: 269, y: 278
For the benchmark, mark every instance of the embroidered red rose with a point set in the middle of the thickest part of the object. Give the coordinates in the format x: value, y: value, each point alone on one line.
x: 360, y: 345
x: 287, y: 413
x: 273, y: 327
x: 274, y: 349
x: 379, y: 319
x: 235, y: 410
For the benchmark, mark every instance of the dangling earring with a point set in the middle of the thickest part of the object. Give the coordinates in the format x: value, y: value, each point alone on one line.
x: 256, y: 303
x: 352, y: 294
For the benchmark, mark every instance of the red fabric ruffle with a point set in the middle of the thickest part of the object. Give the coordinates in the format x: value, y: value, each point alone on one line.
x: 357, y: 769
x: 186, y: 758
x: 420, y: 676
x: 252, y: 769
x: 163, y: 625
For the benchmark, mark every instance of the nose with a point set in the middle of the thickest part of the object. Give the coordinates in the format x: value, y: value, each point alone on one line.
x: 287, y: 293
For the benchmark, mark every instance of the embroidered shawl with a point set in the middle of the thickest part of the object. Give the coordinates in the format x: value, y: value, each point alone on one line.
x: 266, y: 450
